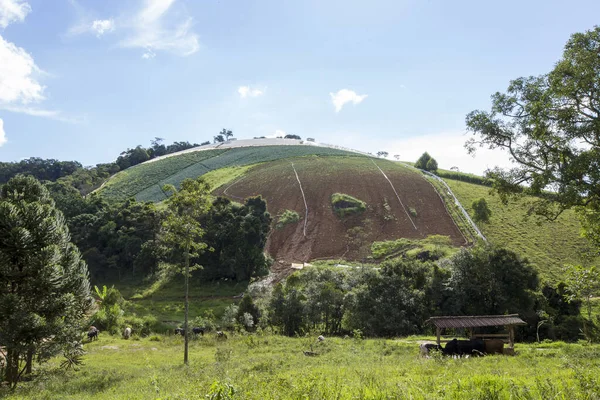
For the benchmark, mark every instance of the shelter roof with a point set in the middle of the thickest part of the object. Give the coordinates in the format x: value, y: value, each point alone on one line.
x: 475, y: 321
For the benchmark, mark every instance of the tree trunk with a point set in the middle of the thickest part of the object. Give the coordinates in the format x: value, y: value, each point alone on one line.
x: 29, y: 364
x: 12, y: 367
x: 187, y: 304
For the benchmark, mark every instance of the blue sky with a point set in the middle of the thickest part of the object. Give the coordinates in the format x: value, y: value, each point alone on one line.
x: 85, y: 80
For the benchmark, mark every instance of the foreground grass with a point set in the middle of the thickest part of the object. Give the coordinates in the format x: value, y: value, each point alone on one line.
x: 274, y: 367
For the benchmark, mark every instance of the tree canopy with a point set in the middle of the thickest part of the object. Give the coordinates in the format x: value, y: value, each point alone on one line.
x: 45, y: 287
x: 427, y: 163
x: 550, y: 127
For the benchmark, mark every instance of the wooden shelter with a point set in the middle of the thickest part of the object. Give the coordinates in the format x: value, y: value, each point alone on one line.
x: 471, y: 322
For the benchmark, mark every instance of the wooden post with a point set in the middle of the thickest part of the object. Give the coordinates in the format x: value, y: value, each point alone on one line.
x: 470, y: 333
x: 511, y: 336
x: 438, y: 332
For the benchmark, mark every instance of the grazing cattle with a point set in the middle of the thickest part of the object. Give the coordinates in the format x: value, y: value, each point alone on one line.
x: 221, y: 335
x: 428, y: 347
x: 93, y: 333
x: 198, y: 330
x: 494, y: 346
x: 127, y: 333
x: 2, y: 357
x: 464, y: 347
x: 180, y: 331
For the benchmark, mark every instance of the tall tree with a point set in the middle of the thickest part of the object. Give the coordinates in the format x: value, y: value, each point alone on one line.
x: 182, y: 231
x: 44, y: 283
x: 550, y: 127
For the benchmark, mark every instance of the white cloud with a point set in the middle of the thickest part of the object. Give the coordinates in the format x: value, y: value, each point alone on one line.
x: 148, y: 54
x: 446, y: 147
x: 18, y: 72
x: 344, y: 96
x: 102, y: 26
x: 13, y: 11
x: 40, y: 112
x: 246, y: 91
x: 154, y: 28
x: 2, y: 133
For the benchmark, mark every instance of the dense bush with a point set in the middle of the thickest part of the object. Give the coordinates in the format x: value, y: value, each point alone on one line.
x: 344, y: 204
x: 398, y: 298
x: 469, y: 178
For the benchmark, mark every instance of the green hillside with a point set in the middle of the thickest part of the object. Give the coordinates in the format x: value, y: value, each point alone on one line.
x: 144, y: 181
x: 548, y: 245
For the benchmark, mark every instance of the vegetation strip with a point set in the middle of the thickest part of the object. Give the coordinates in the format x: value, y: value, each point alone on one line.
x: 304, y: 197
x: 394, y: 189
x: 465, y: 213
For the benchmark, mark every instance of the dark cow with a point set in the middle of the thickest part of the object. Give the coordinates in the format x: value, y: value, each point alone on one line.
x: 494, y: 346
x: 426, y: 348
x: 93, y: 333
x: 198, y: 331
x: 180, y: 331
x: 464, y: 347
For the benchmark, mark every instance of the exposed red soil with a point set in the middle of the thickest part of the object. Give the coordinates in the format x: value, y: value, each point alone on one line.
x: 327, y: 235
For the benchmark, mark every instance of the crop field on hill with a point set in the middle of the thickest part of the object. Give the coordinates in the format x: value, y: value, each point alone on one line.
x: 131, y: 181
x: 144, y: 181
x: 265, y: 366
x: 549, y: 246
x: 418, y: 214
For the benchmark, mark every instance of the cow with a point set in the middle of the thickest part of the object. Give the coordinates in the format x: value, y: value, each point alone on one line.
x: 2, y: 357
x: 93, y: 333
x: 180, y: 331
x: 464, y: 347
x: 428, y: 347
x: 221, y: 335
x: 127, y: 333
x: 494, y: 346
x: 198, y: 331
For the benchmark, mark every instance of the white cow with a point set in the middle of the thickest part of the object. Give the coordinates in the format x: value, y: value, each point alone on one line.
x: 127, y: 333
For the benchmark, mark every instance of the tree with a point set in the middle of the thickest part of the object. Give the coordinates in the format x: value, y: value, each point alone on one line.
x: 391, y: 301
x: 550, y: 127
x: 292, y: 137
x: 383, y: 154
x: 427, y: 163
x: 583, y: 284
x: 45, y: 287
x: 490, y: 281
x: 482, y: 212
x: 432, y: 165
x: 183, y: 232
x: 219, y: 138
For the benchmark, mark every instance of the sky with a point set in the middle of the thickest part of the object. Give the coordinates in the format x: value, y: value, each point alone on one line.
x: 86, y: 79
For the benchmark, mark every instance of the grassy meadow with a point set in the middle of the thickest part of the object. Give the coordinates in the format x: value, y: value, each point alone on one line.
x: 548, y: 245
x: 266, y: 366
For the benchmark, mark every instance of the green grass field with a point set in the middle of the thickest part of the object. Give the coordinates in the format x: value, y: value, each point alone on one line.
x: 265, y: 366
x: 549, y: 245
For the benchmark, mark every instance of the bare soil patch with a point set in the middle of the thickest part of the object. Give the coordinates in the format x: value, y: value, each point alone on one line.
x: 329, y: 236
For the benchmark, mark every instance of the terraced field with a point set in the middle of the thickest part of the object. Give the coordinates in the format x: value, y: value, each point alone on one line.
x: 145, y: 181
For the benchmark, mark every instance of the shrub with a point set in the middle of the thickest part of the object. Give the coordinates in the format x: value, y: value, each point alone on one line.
x: 427, y: 163
x: 344, y: 204
x: 482, y: 212
x: 287, y: 217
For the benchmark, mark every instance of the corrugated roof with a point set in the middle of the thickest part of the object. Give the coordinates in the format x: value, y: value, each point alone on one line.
x: 475, y: 321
